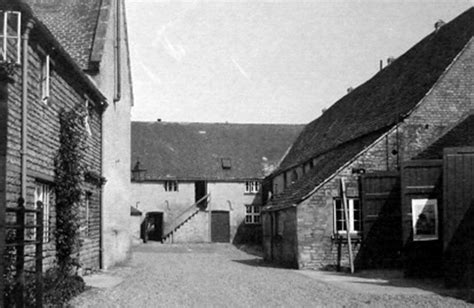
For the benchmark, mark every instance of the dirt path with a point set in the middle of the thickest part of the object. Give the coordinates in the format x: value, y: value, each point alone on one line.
x: 206, y: 275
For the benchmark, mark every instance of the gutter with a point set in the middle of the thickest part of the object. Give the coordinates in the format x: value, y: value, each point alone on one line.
x: 117, y: 51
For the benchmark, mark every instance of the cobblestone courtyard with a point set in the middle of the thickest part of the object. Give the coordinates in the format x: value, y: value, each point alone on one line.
x: 219, y: 275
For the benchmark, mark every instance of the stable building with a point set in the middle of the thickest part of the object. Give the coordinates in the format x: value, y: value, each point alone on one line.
x: 201, y: 182
x: 356, y: 150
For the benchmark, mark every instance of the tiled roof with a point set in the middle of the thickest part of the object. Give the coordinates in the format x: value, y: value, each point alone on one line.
x: 196, y: 150
x: 462, y: 135
x: 362, y: 116
x: 390, y: 95
x: 73, y: 23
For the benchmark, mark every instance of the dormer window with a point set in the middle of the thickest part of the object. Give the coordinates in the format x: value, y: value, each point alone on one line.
x: 10, y: 36
x: 226, y: 163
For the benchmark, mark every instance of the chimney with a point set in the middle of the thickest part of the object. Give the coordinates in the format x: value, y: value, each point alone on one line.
x: 381, y: 64
x: 349, y: 90
x: 390, y: 60
x: 438, y: 25
x: 158, y: 120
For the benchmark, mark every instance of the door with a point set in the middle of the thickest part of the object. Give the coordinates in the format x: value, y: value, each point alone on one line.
x: 458, y: 239
x: 220, y: 227
x: 155, y: 226
x: 200, y: 190
x: 381, y: 210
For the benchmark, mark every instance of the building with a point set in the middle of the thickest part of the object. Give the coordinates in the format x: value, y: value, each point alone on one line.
x: 97, y: 41
x: 201, y: 182
x: 389, y: 119
x: 39, y: 79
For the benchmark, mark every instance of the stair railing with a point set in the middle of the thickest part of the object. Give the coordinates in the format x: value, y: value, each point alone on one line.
x: 183, y: 217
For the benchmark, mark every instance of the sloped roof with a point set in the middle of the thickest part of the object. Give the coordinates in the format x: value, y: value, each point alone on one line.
x: 196, y: 150
x: 358, y: 119
x: 387, y: 97
x: 462, y: 135
x: 73, y: 23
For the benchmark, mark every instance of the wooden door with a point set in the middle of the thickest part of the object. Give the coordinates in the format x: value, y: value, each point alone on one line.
x: 381, y: 240
x: 421, y: 212
x: 458, y: 239
x: 220, y: 226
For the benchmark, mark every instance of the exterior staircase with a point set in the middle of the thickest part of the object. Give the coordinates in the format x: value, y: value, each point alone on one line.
x: 170, y: 229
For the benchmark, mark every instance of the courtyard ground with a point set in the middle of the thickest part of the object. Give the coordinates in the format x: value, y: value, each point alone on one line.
x: 220, y: 275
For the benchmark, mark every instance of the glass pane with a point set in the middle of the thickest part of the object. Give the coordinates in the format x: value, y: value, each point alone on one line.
x: 2, y: 22
x: 257, y: 219
x: 248, y: 209
x: 13, y: 19
x: 248, y: 219
x: 256, y: 209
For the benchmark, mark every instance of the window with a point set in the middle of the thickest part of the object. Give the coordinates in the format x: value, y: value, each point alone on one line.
x: 226, y: 163
x: 252, y: 214
x: 45, y: 80
x: 294, y: 176
x: 171, y: 186
x: 252, y: 187
x: 10, y: 32
x: 355, y: 216
x: 43, y: 195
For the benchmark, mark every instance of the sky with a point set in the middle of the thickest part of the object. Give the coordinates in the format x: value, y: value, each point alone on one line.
x: 265, y: 61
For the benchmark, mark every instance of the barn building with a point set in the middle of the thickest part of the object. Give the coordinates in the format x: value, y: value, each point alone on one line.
x: 362, y: 143
x: 201, y: 182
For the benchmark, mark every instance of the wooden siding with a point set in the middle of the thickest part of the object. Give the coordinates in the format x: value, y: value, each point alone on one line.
x: 421, y: 179
x: 458, y: 217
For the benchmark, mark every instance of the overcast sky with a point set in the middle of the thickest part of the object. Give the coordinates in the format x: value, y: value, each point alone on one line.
x: 265, y: 61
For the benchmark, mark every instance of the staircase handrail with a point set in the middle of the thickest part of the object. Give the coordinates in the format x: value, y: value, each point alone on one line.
x: 177, y: 221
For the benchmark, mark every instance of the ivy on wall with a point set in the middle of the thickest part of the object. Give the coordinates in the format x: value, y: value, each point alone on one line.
x: 68, y: 183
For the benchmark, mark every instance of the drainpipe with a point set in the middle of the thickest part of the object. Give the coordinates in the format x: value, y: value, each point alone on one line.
x: 117, y: 67
x: 24, y: 106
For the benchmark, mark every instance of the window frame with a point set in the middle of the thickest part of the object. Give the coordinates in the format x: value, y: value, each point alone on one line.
x: 45, y: 79
x: 5, y: 37
x: 252, y: 214
x: 252, y: 187
x: 171, y: 186
x: 352, y: 220
x: 45, y: 198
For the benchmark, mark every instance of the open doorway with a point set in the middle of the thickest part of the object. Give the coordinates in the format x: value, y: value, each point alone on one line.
x: 200, y: 190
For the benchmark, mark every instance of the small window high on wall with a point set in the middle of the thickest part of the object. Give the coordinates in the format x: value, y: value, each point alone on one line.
x: 252, y: 187
x: 45, y: 79
x: 171, y: 185
x: 10, y: 36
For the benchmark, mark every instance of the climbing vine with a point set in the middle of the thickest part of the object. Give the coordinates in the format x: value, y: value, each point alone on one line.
x: 68, y: 182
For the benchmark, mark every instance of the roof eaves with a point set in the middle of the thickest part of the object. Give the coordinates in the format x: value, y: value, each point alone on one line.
x: 62, y: 52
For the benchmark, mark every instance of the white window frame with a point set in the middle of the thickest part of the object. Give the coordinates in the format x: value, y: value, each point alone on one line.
x: 338, y: 207
x: 43, y: 193
x: 252, y: 214
x: 45, y: 79
x: 252, y: 187
x: 6, y: 37
x: 171, y: 186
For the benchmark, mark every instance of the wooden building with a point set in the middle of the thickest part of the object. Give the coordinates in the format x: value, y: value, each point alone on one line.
x: 44, y: 80
x: 201, y: 182
x: 362, y: 141
x: 94, y: 34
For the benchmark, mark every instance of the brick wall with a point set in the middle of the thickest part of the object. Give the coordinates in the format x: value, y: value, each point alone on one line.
x: 43, y: 143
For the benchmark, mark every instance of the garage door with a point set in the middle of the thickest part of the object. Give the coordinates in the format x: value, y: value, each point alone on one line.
x: 220, y: 227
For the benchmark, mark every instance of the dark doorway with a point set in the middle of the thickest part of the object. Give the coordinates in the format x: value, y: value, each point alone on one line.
x: 200, y: 190
x: 220, y: 227
x: 153, y: 226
